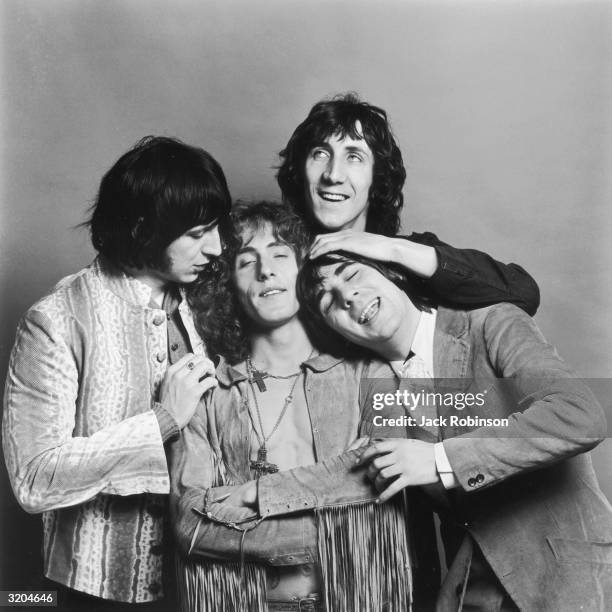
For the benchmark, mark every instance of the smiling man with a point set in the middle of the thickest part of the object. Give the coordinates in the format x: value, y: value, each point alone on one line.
x: 106, y: 368
x: 524, y: 522
x: 342, y: 170
x: 280, y: 404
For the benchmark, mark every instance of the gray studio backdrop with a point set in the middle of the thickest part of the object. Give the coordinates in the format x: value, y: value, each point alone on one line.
x: 503, y: 110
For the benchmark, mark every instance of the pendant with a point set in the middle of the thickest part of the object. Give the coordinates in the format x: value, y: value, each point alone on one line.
x: 258, y: 376
x: 262, y: 466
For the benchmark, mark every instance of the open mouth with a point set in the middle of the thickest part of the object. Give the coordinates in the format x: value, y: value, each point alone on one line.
x: 330, y: 196
x: 271, y: 292
x: 369, y: 312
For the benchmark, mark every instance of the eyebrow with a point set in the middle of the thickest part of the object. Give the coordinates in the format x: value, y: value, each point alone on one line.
x: 343, y: 266
x: 249, y: 249
x: 357, y: 149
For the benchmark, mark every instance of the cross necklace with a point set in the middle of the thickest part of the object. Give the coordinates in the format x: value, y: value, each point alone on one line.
x: 262, y: 466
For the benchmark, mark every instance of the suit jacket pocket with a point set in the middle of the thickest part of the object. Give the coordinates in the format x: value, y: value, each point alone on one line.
x: 580, y: 551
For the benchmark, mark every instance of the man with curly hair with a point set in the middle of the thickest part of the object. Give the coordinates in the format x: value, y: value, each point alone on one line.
x: 342, y: 170
x: 280, y: 403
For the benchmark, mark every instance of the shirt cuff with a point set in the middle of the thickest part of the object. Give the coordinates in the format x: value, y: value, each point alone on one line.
x: 167, y: 425
x: 443, y: 467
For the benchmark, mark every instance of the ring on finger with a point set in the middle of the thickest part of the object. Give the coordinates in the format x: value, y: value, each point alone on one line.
x: 190, y: 365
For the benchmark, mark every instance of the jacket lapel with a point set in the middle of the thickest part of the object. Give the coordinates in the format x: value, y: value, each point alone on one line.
x: 451, y: 349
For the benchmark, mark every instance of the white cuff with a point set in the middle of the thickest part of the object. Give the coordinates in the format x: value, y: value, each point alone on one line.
x: 443, y: 467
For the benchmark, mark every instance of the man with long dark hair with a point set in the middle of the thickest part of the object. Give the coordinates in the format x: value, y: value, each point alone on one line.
x: 342, y: 170
x: 107, y: 367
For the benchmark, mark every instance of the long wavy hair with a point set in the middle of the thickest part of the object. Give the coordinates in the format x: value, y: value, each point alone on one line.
x: 218, y: 315
x: 339, y: 117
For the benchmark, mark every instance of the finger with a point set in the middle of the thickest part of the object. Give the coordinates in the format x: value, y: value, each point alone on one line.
x: 383, y: 461
x: 380, y: 483
x: 395, y: 487
x: 390, y: 472
x: 209, y: 365
x: 207, y: 384
x: 198, y: 366
x: 181, y: 363
x: 376, y: 449
x: 315, y: 248
x: 329, y: 246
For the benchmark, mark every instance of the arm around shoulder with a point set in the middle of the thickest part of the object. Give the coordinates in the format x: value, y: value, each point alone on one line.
x: 468, y: 278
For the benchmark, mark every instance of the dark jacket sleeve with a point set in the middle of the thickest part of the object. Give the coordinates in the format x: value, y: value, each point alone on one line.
x: 467, y: 278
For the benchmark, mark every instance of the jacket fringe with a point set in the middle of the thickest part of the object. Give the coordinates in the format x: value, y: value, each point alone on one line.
x: 217, y: 586
x: 365, y: 558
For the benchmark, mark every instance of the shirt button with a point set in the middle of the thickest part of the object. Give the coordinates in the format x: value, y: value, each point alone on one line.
x: 471, y: 482
x: 480, y: 478
x: 159, y: 319
x: 161, y: 357
x: 173, y: 346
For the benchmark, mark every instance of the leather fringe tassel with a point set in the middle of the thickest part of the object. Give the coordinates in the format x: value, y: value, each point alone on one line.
x: 217, y: 586
x: 364, y: 556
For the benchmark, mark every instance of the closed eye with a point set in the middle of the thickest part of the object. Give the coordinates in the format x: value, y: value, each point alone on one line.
x: 243, y: 263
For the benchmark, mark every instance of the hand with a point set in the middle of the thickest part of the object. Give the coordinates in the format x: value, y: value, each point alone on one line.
x: 244, y: 495
x: 373, y: 246
x: 396, y: 463
x: 419, y: 259
x: 184, y: 384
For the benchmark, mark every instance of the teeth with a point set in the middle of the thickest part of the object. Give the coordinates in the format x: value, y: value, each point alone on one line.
x: 369, y: 311
x: 333, y: 197
x: 271, y: 292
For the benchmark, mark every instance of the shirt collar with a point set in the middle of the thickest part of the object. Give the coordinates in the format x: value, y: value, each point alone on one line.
x: 229, y: 375
x: 422, y: 344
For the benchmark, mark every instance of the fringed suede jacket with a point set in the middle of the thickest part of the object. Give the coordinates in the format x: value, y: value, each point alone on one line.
x: 362, y: 547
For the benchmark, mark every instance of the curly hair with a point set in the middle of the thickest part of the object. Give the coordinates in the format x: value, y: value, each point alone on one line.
x: 219, y: 317
x: 308, y: 289
x: 339, y: 117
x: 154, y: 193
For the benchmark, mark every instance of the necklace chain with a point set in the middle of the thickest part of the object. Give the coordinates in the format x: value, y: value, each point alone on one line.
x: 262, y: 466
x: 288, y: 399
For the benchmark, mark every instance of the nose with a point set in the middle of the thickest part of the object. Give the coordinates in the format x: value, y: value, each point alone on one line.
x: 346, y: 296
x: 334, y: 171
x: 211, y: 245
x: 264, y: 269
